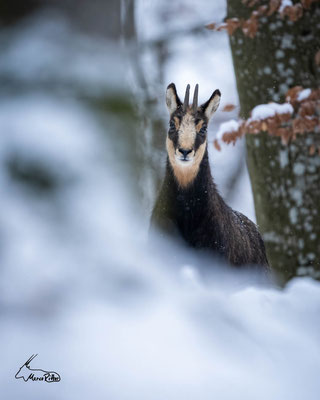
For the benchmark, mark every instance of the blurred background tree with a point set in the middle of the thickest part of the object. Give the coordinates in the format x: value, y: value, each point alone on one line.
x: 89, y: 45
x: 97, y: 17
x: 274, y: 51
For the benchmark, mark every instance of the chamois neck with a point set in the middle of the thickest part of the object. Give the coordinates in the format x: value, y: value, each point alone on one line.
x: 188, y: 206
x: 202, y: 183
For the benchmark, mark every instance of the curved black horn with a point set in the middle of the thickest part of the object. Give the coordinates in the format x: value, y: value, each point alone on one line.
x: 186, y: 98
x: 195, y: 98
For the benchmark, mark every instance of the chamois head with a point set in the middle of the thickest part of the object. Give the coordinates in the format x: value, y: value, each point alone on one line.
x: 187, y: 135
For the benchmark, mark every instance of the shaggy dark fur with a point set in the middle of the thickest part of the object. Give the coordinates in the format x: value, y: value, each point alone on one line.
x: 199, y: 215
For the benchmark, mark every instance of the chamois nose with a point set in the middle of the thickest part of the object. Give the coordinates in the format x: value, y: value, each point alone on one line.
x: 185, y: 152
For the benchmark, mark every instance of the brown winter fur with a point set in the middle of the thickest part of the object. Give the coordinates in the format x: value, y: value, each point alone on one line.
x: 189, y: 204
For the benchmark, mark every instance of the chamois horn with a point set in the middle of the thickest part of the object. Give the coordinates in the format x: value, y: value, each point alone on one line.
x: 195, y: 98
x: 186, y: 98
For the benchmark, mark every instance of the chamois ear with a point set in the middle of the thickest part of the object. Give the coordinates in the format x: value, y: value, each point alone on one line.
x: 172, y: 98
x: 210, y: 106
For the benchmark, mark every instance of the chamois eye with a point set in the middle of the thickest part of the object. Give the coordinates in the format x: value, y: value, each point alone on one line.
x: 203, y: 130
x: 172, y: 125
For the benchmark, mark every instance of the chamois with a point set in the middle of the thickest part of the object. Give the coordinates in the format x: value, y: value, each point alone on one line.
x: 189, y: 204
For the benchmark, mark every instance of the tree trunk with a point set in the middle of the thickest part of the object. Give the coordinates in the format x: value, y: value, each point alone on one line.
x: 285, y: 179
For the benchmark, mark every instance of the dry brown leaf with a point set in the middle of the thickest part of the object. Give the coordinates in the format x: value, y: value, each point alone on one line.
x: 304, y: 125
x: 217, y: 145
x: 253, y: 127
x: 273, y: 126
x: 281, y: 118
x: 315, y: 95
x: 285, y: 134
x: 262, y: 10
x: 312, y: 149
x: 294, y: 12
x: 307, y: 3
x: 230, y: 137
x: 222, y: 27
x: 250, y: 3
x: 292, y: 93
x: 228, y: 107
x: 250, y: 26
x: 211, y: 26
x: 273, y: 6
x: 308, y: 108
x: 232, y: 25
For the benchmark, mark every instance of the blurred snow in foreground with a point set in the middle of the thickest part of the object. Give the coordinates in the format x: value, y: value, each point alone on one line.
x: 80, y: 287
x: 114, y: 317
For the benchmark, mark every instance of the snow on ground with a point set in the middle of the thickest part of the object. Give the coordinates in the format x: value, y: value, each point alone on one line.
x: 80, y: 287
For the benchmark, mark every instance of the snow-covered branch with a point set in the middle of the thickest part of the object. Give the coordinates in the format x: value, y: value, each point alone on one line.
x: 300, y: 114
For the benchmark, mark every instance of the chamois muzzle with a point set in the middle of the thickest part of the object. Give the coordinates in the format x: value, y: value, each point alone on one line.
x: 185, y: 153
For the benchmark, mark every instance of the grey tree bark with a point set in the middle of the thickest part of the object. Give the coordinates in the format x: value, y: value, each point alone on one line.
x: 285, y: 179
